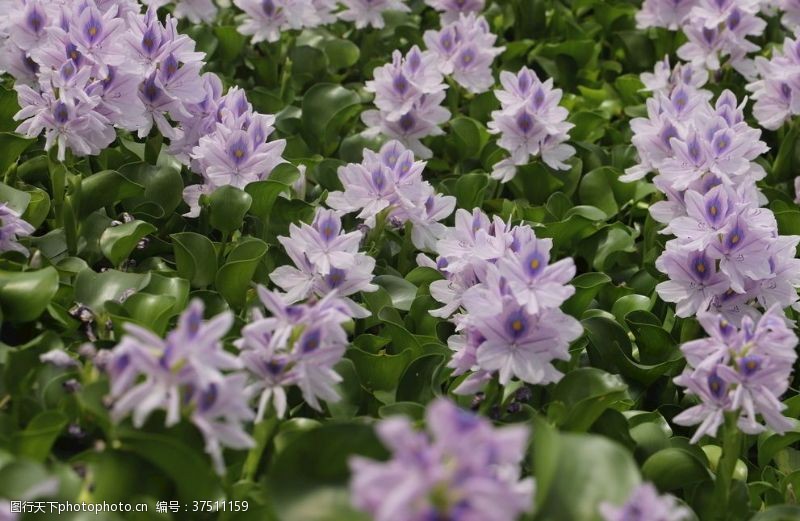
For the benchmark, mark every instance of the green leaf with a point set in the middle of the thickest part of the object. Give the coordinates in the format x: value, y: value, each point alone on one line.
x: 778, y: 513
x: 12, y: 145
x: 416, y: 383
x: 382, y: 371
x: 106, y: 188
x: 227, y: 208
x: 587, y: 286
x: 38, y: 207
x: 470, y: 190
x: 94, y: 289
x: 673, y: 468
x: 189, y: 470
x: 587, y: 392
x: 469, y: 136
x: 118, y: 242
x: 15, y: 199
x: 341, y: 53
x: 400, y: 290
x: 195, y: 258
x: 25, y: 295
x: 566, y: 463
x: 309, y: 475
x: 234, y: 277
x: 231, y: 42
x: 326, y: 108
x: 39, y: 435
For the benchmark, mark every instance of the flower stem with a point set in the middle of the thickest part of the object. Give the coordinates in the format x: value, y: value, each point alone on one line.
x: 731, y: 447
x: 263, y: 434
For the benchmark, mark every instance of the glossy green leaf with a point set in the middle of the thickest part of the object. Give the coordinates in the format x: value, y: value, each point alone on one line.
x: 118, y: 242
x: 25, y: 295
x: 227, y: 208
x: 234, y: 277
x: 195, y: 258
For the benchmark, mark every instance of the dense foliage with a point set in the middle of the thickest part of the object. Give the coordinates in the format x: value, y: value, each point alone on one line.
x: 320, y: 260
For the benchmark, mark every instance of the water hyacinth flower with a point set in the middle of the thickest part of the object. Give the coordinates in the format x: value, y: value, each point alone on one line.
x: 742, y: 370
x: 716, y: 30
x: 326, y: 260
x: 196, y: 11
x: 727, y: 253
x: 451, y: 10
x: 236, y: 150
x: 400, y: 84
x: 391, y: 180
x: 460, y: 468
x: 408, y: 94
x: 530, y: 123
x: 186, y: 373
x: 465, y: 49
x: 775, y: 90
x: 12, y: 228
x: 369, y: 13
x: 66, y: 123
x: 508, y: 292
x: 297, y: 345
x: 646, y: 504
x: 265, y: 20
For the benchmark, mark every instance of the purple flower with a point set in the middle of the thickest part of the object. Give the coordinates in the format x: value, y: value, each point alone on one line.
x: 694, y: 280
x: 518, y: 343
x: 669, y: 14
x: 423, y: 120
x: 68, y: 123
x: 264, y: 20
x: 775, y: 89
x: 530, y: 123
x: 645, y: 504
x: 465, y: 49
x: 534, y: 282
x: 451, y: 10
x: 297, y: 345
x: 461, y: 468
x: 392, y: 179
x: 196, y: 11
x: 184, y: 370
x: 366, y: 13
x: 664, y: 79
x: 400, y: 84
x: 346, y: 270
x: 719, y: 28
x: 12, y: 227
x: 744, y: 370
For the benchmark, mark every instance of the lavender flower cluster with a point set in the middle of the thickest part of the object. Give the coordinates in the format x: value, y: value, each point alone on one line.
x: 743, y: 371
x: 776, y: 89
x: 462, y: 468
x: 298, y: 344
x: 727, y: 254
x: 326, y: 261
x: 409, y: 91
x: 716, y: 30
x: 228, y: 141
x: 188, y: 373
x: 84, y: 68
x: 531, y: 123
x: 508, y: 293
x: 265, y: 20
x: 389, y: 184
